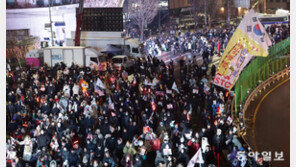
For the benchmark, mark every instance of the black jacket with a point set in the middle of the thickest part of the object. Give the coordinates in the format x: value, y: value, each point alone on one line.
x: 43, y: 140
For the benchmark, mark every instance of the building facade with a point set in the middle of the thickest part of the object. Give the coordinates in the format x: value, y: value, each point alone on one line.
x: 273, y: 5
x: 35, y: 22
x: 177, y: 4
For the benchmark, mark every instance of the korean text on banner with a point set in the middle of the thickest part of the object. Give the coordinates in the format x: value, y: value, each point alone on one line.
x: 236, y: 66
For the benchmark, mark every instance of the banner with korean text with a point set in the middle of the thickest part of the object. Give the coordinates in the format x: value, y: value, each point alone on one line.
x: 249, y: 39
x: 239, y: 61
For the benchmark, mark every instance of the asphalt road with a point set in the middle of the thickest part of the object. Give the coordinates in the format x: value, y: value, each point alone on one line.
x: 272, y: 125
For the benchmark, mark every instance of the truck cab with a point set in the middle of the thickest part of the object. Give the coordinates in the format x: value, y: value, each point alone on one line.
x: 98, y: 63
x: 122, y: 61
x: 95, y: 60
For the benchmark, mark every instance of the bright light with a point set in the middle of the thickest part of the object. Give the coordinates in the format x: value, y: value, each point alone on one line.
x: 135, y: 5
x: 239, y: 8
x: 163, y: 4
x: 222, y: 9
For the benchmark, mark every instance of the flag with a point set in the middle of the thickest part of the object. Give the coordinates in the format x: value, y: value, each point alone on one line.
x: 174, y: 87
x: 154, y: 82
x: 229, y: 120
x: 168, y: 91
x: 134, y: 82
x: 84, y: 85
x: 159, y: 93
x: 170, y: 106
x: 249, y: 39
x: 153, y: 105
x: 146, y: 129
x: 100, y: 84
x: 110, y: 103
x: 99, y: 91
x: 113, y: 114
x: 197, y: 158
x: 195, y: 91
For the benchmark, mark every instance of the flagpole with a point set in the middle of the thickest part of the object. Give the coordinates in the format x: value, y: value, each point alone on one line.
x: 255, y: 4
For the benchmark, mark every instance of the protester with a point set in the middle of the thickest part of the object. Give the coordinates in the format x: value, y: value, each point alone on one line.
x: 72, y: 116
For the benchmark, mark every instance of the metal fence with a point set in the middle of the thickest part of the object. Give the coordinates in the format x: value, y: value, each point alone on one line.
x: 260, y: 69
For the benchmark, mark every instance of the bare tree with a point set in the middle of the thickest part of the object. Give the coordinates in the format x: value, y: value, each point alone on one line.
x: 208, y: 8
x: 142, y: 12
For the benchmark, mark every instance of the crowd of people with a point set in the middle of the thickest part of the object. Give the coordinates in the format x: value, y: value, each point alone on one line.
x: 278, y: 32
x: 73, y: 116
x: 59, y: 117
x: 211, y: 41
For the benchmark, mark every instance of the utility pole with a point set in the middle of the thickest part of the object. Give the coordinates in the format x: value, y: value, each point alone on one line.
x: 78, y: 24
x: 205, y: 12
x: 52, y: 42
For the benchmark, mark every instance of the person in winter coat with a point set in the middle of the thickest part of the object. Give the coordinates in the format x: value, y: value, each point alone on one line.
x: 213, y: 70
x: 129, y: 150
x: 159, y: 158
x: 138, y: 161
x: 53, y: 163
x: 155, y: 143
x: 218, y: 142
x: 110, y: 142
x: 43, y: 139
x: 127, y: 161
x: 11, y: 109
x: 108, y: 160
x: 28, y: 148
x: 228, y: 141
x: 193, y: 146
x: 119, y: 150
x: 236, y: 142
x: 73, y: 159
x: 182, y: 158
x: 161, y: 128
x: 89, y: 145
x: 42, y: 161
x: 232, y: 157
x: 208, y: 156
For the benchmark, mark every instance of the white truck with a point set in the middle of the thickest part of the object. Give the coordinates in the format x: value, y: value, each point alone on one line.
x: 122, y: 61
x: 131, y: 46
x: 81, y: 56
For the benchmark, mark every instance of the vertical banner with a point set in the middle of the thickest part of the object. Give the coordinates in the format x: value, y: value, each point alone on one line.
x: 234, y: 68
x: 249, y: 39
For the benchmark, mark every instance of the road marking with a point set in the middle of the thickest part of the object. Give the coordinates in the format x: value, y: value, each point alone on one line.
x: 258, y: 106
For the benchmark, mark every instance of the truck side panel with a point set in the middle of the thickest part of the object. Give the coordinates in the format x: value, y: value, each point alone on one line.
x: 56, y: 56
x: 68, y: 57
x: 47, y: 57
x: 79, y: 56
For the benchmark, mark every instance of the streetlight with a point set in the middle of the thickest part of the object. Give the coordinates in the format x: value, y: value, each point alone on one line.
x: 239, y: 10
